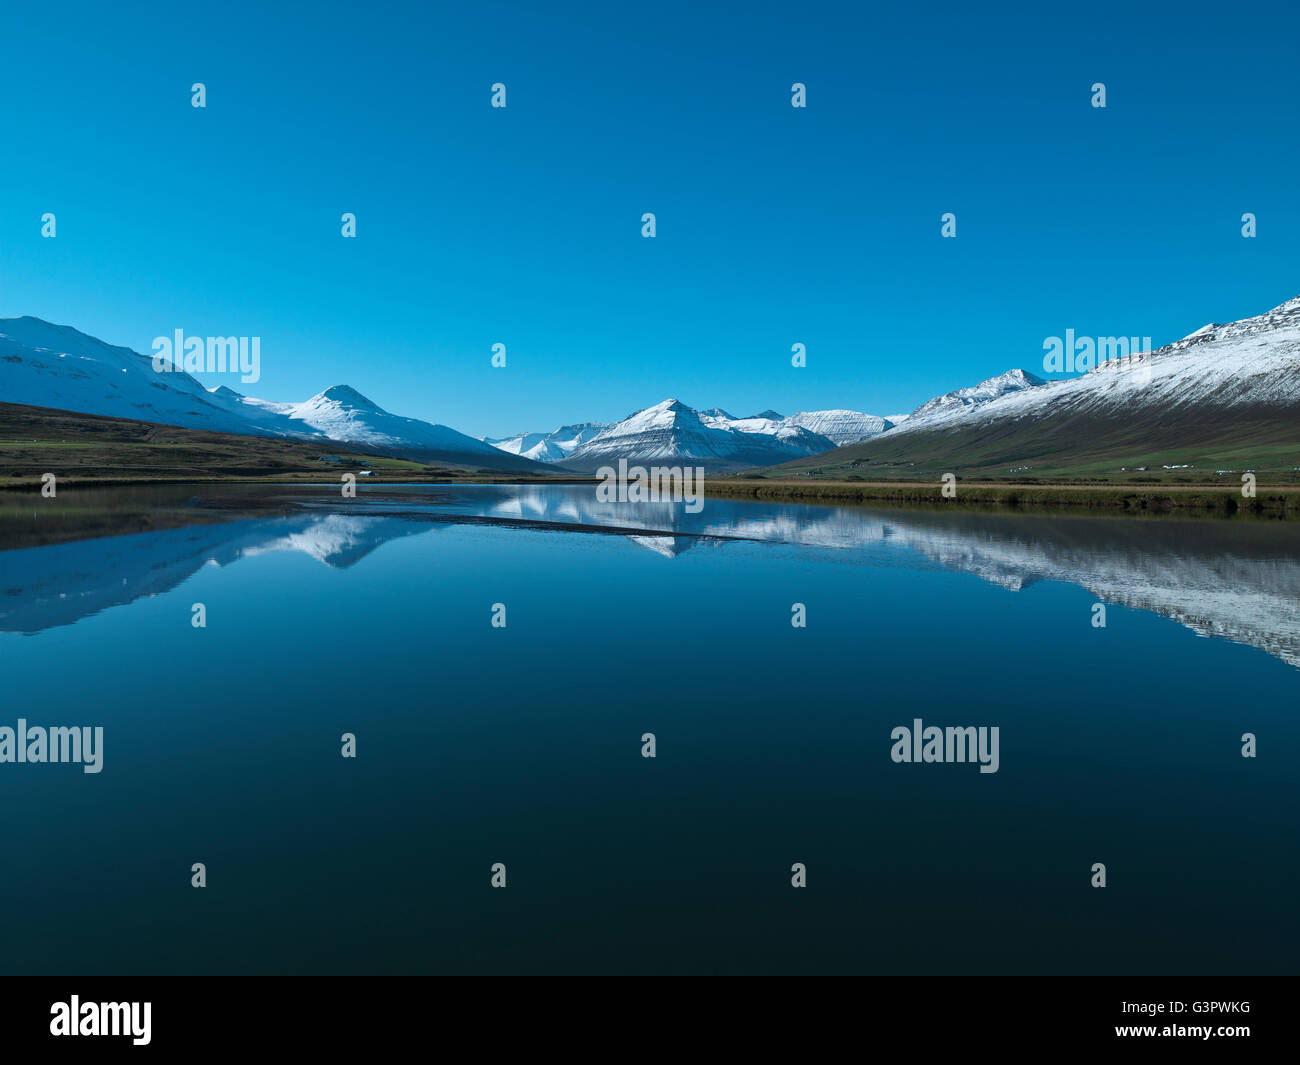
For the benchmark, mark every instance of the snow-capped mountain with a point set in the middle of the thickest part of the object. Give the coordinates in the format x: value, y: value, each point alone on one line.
x: 548, y: 447
x: 673, y: 431
x: 963, y: 400
x: 343, y: 413
x: 1225, y: 396
x: 841, y: 427
x: 45, y: 365
x: 1252, y: 363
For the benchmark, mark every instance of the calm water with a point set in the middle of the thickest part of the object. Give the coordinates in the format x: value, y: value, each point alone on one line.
x: 522, y: 744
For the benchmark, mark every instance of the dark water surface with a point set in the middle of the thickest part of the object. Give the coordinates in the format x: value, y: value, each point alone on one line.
x: 522, y: 744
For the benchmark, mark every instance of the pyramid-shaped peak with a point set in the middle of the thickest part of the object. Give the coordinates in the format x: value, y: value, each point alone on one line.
x: 347, y: 396
x: 1020, y: 377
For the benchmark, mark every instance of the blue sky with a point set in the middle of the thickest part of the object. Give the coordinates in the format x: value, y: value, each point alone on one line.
x: 522, y: 225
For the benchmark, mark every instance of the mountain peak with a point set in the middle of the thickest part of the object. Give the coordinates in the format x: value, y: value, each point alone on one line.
x: 37, y: 332
x: 667, y: 410
x: 1020, y: 377
x: 1205, y: 332
x: 842, y: 427
x: 963, y: 399
x: 670, y: 430
x: 347, y: 396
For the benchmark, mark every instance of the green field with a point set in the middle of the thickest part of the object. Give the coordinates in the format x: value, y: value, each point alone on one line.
x: 84, y: 449
x: 1181, y: 450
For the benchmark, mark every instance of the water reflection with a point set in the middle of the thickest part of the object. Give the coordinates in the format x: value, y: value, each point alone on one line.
x: 1233, y: 580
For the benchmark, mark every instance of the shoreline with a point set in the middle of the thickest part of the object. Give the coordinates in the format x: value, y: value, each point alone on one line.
x: 1134, y: 499
x: 1276, y: 501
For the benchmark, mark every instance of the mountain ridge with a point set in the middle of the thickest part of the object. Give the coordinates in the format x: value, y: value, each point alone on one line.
x: 671, y: 429
x: 1224, y: 385
x: 60, y: 367
x: 1223, y: 399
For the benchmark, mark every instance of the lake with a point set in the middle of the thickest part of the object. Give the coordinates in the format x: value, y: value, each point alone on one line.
x: 521, y: 742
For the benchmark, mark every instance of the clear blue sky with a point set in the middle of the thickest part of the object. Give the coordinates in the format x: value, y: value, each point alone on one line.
x: 775, y: 225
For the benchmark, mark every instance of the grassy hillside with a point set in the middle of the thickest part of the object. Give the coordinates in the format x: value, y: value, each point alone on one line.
x: 1078, y: 450
x: 87, y: 448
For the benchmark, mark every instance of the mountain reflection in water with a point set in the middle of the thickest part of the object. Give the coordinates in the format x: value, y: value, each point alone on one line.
x: 1234, y: 580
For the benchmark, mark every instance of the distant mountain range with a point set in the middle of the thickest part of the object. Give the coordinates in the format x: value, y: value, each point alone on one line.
x: 1226, y: 394
x: 549, y: 447
x: 58, y: 367
x: 671, y: 430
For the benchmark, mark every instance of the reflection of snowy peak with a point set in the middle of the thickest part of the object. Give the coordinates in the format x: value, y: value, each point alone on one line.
x: 668, y: 546
x: 62, y: 583
x: 338, y: 540
x: 1239, y: 582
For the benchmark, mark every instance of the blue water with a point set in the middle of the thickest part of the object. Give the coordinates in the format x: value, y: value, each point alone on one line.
x: 522, y: 744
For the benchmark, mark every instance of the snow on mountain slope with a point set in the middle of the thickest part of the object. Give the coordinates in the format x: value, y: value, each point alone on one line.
x: 671, y: 430
x: 343, y: 413
x: 1215, y: 372
x: 534, y: 446
x: 665, y: 431
x: 45, y: 365
x: 841, y: 427
x: 838, y: 426
x: 964, y: 400
x: 549, y: 447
